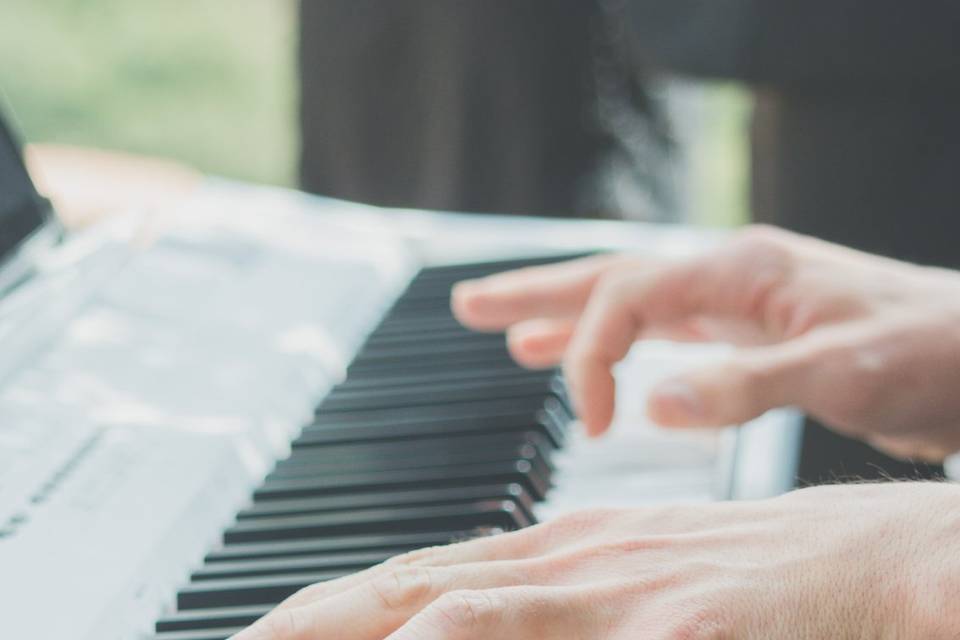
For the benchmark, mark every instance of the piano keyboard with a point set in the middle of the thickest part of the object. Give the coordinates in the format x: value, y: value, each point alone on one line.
x: 434, y: 436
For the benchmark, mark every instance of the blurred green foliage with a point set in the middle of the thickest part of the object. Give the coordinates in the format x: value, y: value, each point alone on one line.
x: 208, y: 82
x: 720, y: 159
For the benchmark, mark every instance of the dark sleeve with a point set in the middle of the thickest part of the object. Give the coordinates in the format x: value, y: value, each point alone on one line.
x: 799, y: 42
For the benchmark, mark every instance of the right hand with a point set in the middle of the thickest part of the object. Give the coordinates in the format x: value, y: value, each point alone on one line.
x: 854, y: 561
x: 867, y: 345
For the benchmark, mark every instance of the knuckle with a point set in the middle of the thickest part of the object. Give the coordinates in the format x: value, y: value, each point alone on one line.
x: 766, y: 251
x: 403, y: 587
x: 571, y: 526
x: 614, y: 280
x: 413, y: 557
x: 781, y: 316
x: 466, y: 609
x: 761, y: 237
x: 580, y: 522
x: 614, y: 292
x: 522, y: 543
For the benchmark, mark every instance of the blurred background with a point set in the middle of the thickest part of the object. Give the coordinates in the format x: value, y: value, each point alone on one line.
x: 207, y: 83
x: 213, y: 85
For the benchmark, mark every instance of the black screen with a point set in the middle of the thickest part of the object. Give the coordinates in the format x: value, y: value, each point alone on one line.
x: 22, y: 211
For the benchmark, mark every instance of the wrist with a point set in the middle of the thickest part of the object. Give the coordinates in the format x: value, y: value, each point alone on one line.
x: 924, y: 599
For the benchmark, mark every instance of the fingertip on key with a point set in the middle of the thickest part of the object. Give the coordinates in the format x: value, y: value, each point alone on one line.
x: 467, y: 302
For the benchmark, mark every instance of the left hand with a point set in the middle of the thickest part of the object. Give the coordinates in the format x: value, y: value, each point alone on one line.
x: 868, y: 345
x: 869, y: 561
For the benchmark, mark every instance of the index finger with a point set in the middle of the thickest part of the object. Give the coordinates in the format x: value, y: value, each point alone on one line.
x: 558, y: 290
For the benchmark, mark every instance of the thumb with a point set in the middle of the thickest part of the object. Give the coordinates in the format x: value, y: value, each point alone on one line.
x: 743, y: 387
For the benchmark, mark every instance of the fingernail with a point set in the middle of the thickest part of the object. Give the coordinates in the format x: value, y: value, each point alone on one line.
x: 467, y: 290
x: 677, y: 399
x: 465, y: 286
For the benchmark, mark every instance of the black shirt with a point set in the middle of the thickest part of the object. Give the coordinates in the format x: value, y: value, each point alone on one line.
x: 472, y: 105
x: 856, y: 132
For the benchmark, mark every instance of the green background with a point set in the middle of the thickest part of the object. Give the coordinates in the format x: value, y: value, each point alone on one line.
x: 209, y: 82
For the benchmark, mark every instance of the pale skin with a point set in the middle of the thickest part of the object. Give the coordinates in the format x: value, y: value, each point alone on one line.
x: 868, y: 345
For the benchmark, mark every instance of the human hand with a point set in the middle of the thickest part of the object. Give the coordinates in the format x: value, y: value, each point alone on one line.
x: 867, y: 345
x: 859, y: 561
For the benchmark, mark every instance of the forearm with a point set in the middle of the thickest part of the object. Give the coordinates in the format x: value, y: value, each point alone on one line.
x: 925, y: 596
x: 86, y: 184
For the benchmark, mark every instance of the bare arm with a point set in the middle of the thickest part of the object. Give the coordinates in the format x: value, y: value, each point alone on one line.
x: 86, y: 184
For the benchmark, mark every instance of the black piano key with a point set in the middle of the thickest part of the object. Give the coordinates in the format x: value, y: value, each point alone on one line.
x: 442, y: 393
x: 415, y: 367
x: 493, y: 407
x: 407, y: 326
x: 520, y: 472
x: 434, y: 284
x: 445, y: 349
x: 434, y: 281
x: 236, y: 592
x: 455, y: 272
x: 375, y: 452
x: 426, y: 338
x: 211, y: 619
x: 222, y: 633
x: 552, y: 430
x: 535, y: 484
x: 392, y: 380
x: 388, y: 542
x: 451, y: 455
x: 530, y: 406
x: 441, y: 496
x: 420, y: 305
x: 281, y: 566
x: 404, y: 359
x: 503, y: 513
x: 311, y: 461
x: 318, y: 438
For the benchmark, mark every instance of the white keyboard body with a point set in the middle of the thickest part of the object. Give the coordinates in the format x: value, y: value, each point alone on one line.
x: 146, y: 387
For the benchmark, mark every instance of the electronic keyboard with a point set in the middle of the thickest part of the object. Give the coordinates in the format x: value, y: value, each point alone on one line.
x: 272, y: 392
x: 434, y: 436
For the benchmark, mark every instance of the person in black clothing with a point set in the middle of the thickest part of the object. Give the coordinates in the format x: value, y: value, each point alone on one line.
x: 494, y: 107
x: 856, y: 137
